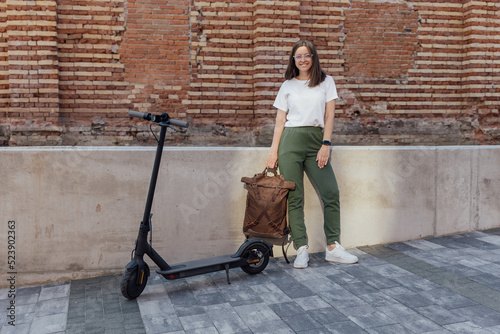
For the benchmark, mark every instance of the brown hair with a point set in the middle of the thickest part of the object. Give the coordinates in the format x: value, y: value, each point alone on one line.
x: 317, y: 75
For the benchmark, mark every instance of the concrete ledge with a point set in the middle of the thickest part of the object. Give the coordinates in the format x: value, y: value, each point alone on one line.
x: 77, y: 210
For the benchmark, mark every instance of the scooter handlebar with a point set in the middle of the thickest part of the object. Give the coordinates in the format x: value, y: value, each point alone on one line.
x: 158, y: 118
x: 133, y: 113
x: 176, y: 122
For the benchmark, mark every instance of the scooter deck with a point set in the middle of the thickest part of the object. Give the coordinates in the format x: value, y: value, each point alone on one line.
x: 203, y: 266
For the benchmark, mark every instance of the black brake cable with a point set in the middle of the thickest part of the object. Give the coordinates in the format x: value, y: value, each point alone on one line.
x: 154, y: 134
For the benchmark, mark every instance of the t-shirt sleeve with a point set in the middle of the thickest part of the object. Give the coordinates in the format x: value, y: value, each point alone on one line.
x: 331, y: 89
x: 281, y: 101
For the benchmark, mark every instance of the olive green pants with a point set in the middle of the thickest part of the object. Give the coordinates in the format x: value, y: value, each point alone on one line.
x: 297, y: 154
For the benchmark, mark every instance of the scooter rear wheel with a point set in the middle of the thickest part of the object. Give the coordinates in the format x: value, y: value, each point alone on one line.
x: 258, y: 258
x: 129, y: 287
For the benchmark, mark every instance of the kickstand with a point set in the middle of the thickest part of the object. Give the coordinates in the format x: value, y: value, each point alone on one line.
x: 227, y: 273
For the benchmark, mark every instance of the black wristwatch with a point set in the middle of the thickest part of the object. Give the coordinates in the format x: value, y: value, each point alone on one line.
x: 327, y: 143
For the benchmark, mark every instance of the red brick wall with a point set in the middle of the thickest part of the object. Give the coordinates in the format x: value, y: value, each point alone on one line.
x: 419, y: 72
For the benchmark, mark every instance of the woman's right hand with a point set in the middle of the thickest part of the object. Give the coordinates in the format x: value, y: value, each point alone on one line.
x: 272, y: 160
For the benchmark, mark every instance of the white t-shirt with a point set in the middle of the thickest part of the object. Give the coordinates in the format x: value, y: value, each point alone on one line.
x: 304, y: 105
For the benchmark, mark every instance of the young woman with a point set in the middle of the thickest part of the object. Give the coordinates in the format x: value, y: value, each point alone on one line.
x: 301, y: 143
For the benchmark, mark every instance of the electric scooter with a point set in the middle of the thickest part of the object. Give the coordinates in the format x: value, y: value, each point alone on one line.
x: 252, y: 256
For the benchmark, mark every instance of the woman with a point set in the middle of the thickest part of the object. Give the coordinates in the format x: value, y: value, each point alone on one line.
x: 301, y: 142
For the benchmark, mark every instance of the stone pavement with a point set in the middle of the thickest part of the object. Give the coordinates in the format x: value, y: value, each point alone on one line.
x: 441, y: 285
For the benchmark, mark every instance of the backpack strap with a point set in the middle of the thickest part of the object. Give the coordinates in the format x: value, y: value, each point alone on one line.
x: 285, y: 238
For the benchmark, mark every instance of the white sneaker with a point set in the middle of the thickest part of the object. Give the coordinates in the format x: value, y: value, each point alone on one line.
x: 302, y: 258
x: 340, y: 255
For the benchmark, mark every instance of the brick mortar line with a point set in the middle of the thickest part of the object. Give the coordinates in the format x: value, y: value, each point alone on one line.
x: 461, y: 285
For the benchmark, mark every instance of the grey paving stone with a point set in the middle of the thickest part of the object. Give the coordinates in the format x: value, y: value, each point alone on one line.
x: 54, y: 291
x: 419, y: 324
x: 152, y: 291
x: 24, y: 314
x: 27, y: 298
x: 225, y: 318
x: 156, y: 307
x: 447, y: 298
x: 381, y: 282
x: 424, y: 245
x: 17, y: 329
x: 197, y: 321
x: 242, y: 295
x: 315, y: 331
x: 210, y: 299
x: 183, y: 298
x: 184, y: 311
x: 272, y: 327
x: 478, y: 244
x: 341, y: 297
x: 201, y: 284
x: 28, y: 291
x: 345, y: 327
x: 389, y: 329
x: 462, y: 270
x: 311, y: 303
x: 480, y: 315
x: 368, y: 260
x: 492, y: 239
x: 360, y: 272
x: 360, y: 288
x: 448, y: 243
x: 304, y: 275
x: 255, y: 314
x: 487, y: 255
x: 48, y: 324
x: 378, y: 299
x: 373, y: 319
x: 466, y: 328
x: 473, y: 262
x: 296, y: 290
x: 407, y: 297
x: 302, y: 322
x: 286, y: 309
x: 415, y: 283
x: 396, y: 310
x: 440, y: 285
x: 207, y: 330
x: 439, y: 314
x: 328, y: 315
x: 318, y: 285
x: 51, y: 306
x: 493, y: 329
x: 389, y: 271
x: 160, y: 323
x: 488, y: 280
x: 359, y: 309
x: 401, y: 247
x: 343, y: 278
x: 270, y: 293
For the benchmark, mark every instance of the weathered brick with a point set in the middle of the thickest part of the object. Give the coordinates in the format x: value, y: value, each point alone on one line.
x: 222, y: 63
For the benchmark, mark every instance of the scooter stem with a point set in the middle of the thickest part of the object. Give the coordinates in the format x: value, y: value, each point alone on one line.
x: 142, y: 247
x: 154, y: 174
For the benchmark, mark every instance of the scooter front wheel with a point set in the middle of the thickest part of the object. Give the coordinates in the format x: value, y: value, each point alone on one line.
x: 257, y: 256
x: 131, y: 287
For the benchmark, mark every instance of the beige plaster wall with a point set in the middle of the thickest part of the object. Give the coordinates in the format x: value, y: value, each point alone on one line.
x: 77, y: 210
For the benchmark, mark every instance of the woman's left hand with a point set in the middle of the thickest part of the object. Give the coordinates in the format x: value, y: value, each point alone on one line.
x: 323, y: 156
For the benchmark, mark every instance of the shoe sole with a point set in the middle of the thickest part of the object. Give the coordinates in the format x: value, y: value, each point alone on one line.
x: 342, y: 262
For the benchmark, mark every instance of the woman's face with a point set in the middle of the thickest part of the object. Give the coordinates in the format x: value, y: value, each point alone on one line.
x: 303, y: 59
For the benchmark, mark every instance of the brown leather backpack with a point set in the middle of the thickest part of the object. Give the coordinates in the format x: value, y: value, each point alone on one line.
x: 266, y: 208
